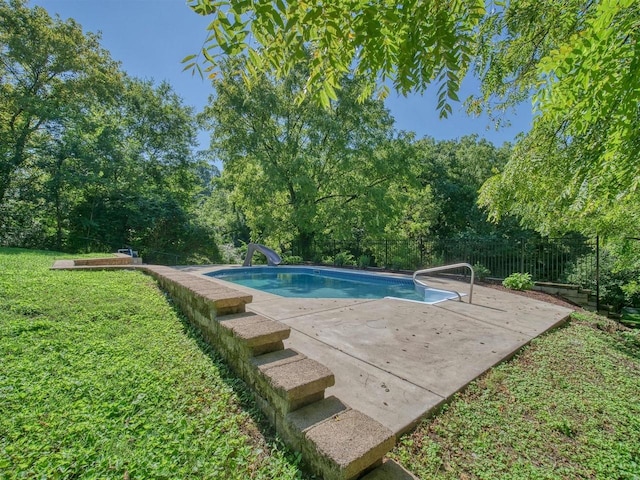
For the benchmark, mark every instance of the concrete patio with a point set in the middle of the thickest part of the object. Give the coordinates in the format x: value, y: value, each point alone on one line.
x: 396, y: 361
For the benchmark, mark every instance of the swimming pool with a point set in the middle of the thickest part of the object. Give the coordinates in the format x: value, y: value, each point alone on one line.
x: 307, y: 282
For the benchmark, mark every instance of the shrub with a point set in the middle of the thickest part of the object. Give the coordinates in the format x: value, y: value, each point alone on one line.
x: 518, y: 281
x: 480, y: 271
x: 364, y: 261
x: 198, y: 258
x: 343, y: 259
x: 231, y: 254
x: 328, y: 260
x: 618, y: 278
x: 632, y: 293
x: 291, y: 260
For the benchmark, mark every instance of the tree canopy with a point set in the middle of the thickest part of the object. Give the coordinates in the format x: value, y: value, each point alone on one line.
x: 49, y: 71
x: 299, y: 171
x: 90, y: 157
x: 295, y: 174
x: 411, y: 44
x: 579, y: 166
x: 578, y: 59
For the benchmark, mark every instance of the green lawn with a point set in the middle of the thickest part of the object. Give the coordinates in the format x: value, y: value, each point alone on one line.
x: 101, y: 378
x: 567, y: 407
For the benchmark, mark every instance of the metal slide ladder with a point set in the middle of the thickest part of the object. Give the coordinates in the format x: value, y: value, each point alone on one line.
x: 443, y: 268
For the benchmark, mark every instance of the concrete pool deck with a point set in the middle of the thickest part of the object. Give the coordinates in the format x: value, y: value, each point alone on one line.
x: 396, y: 361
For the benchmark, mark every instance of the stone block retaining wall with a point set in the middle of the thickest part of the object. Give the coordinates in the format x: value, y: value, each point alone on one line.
x: 337, y: 442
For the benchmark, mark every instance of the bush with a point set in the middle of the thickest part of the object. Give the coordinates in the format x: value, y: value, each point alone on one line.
x: 328, y: 260
x: 344, y: 259
x: 518, y: 281
x: 291, y: 260
x: 231, y: 254
x: 632, y: 293
x: 480, y: 271
x: 619, y: 277
x: 364, y: 261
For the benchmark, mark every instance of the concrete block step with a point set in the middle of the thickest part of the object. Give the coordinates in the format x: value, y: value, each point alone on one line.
x: 200, y: 294
x: 547, y: 289
x: 257, y: 334
x: 289, y: 380
x: 83, y: 262
x: 338, y: 442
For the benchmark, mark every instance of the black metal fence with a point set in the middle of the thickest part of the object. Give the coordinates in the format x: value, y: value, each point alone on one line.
x: 546, y: 259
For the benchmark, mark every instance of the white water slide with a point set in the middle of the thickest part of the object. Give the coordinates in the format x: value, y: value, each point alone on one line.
x: 273, y: 259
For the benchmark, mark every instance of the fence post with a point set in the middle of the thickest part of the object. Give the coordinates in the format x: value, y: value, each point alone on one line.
x: 386, y: 252
x: 597, y: 273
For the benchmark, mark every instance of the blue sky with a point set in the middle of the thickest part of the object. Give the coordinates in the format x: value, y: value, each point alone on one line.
x: 151, y: 37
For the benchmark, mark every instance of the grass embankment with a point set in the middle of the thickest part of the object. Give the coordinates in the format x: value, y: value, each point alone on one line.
x: 567, y: 407
x: 100, y: 378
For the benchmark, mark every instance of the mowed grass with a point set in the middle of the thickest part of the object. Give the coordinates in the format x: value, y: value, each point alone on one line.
x: 567, y: 407
x: 101, y: 378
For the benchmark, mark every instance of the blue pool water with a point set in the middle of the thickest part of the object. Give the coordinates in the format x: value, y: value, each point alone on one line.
x: 305, y: 282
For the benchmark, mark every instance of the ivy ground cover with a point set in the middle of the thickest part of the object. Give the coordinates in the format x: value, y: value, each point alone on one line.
x: 567, y: 407
x: 100, y: 377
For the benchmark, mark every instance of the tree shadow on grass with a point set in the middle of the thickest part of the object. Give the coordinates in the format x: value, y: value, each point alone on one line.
x: 621, y: 338
x: 628, y: 343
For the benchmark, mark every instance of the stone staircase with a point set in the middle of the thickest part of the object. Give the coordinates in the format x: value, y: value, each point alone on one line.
x: 573, y: 293
x: 336, y: 441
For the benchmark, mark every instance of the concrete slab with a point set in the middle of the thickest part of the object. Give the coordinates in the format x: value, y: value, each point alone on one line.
x: 63, y: 265
x: 508, y: 311
x: 395, y: 402
x: 396, y: 361
x: 389, y: 470
x: 437, y: 350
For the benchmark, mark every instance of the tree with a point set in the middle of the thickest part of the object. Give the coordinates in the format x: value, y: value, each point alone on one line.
x: 137, y: 155
x: 454, y: 170
x: 50, y: 70
x: 579, y: 167
x: 88, y: 155
x: 409, y: 43
x: 579, y: 59
x: 299, y: 171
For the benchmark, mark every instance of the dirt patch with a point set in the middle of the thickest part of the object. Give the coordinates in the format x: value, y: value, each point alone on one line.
x: 544, y: 297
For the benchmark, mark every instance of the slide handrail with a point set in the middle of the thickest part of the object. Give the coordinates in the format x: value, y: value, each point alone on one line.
x: 443, y: 268
x: 273, y: 259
